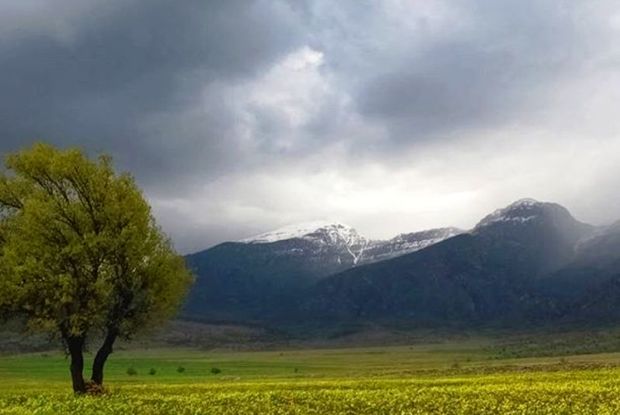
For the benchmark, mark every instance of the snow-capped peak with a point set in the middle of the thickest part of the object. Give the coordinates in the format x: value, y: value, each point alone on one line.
x: 523, y: 210
x: 298, y: 230
x: 345, y: 240
x: 525, y: 202
x: 321, y: 232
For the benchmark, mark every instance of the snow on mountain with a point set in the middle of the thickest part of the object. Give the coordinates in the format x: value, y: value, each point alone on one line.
x: 360, y: 248
x: 341, y: 235
x: 419, y: 240
x: 521, y: 211
x: 406, y: 243
x: 300, y: 230
x: 319, y: 232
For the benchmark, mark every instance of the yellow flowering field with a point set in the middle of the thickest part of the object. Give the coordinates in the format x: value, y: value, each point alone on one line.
x: 383, y: 381
x: 563, y: 392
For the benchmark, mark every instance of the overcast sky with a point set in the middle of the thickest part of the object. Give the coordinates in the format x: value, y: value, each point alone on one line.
x: 237, y: 117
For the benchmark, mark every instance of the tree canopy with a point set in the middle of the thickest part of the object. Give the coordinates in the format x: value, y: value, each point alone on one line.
x: 81, y: 254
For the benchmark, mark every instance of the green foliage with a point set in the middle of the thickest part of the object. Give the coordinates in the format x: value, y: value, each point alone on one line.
x: 131, y: 371
x: 152, y: 371
x: 180, y: 369
x: 216, y: 371
x: 79, y: 248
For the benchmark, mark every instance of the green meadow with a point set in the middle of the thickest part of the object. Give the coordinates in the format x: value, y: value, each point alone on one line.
x: 453, y: 377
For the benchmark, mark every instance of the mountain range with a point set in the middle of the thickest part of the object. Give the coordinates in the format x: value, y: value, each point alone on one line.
x: 525, y: 263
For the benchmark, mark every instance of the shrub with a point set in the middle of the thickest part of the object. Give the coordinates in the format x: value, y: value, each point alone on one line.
x: 152, y: 371
x: 215, y: 370
x: 131, y: 371
x: 180, y: 369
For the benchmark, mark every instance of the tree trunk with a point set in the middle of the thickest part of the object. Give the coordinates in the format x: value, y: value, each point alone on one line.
x: 102, y: 356
x: 76, y: 348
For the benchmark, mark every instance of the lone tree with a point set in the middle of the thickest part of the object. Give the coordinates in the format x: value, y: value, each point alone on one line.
x: 81, y: 255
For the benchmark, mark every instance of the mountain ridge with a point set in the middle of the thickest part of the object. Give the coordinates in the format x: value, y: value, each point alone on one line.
x: 489, y: 273
x: 528, y: 261
x: 249, y: 279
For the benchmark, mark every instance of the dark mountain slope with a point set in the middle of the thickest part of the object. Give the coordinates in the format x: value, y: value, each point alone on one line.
x: 239, y: 281
x: 263, y: 277
x: 587, y: 287
x: 482, y: 276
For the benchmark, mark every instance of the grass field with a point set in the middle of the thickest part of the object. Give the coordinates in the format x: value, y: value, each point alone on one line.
x: 465, y: 377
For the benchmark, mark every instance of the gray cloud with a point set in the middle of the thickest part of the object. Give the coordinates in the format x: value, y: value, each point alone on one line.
x: 237, y: 116
x: 121, y: 63
x: 444, y: 65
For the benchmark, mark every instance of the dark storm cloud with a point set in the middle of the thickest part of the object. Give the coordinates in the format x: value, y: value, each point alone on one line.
x: 129, y: 75
x: 122, y: 63
x: 234, y: 114
x: 460, y: 65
